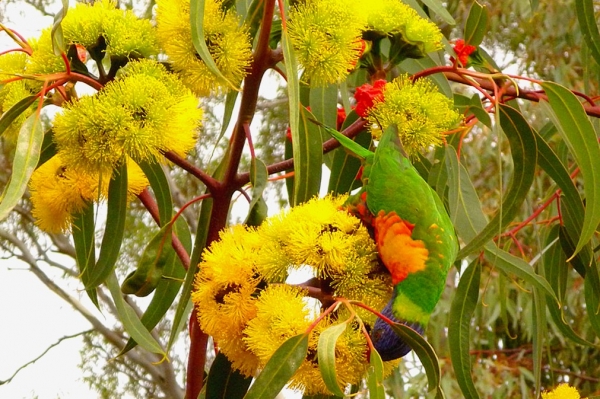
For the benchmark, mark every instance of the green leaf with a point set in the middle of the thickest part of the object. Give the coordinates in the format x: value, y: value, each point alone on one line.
x: 131, y: 322
x: 160, y: 186
x: 592, y: 299
x: 58, y: 40
x: 326, y: 356
x: 96, y: 273
x: 577, y: 131
x: 586, y: 17
x: 280, y: 368
x: 438, y: 7
x: 510, y: 264
x: 524, y: 154
x: 258, y: 178
x: 555, y: 269
x: 48, y: 149
x: 345, y: 166
x: 169, y: 285
x: 323, y: 105
x: 477, y: 24
x: 149, y: 271
x: 461, y: 312
x: 375, y: 377
x: 414, y: 65
x: 308, y: 158
x: 425, y: 353
x: 224, y: 382
x: 83, y: 231
x: 27, y: 155
x: 539, y: 332
x: 13, y: 112
x: 199, y: 41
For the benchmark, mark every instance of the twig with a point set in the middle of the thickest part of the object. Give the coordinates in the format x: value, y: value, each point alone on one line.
x: 43, y: 353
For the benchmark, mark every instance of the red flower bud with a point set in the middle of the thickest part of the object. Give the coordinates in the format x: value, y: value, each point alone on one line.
x: 463, y: 51
x: 366, y: 95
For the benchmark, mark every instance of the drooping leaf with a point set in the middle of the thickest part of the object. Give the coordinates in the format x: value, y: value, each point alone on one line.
x: 13, y: 112
x: 258, y: 178
x: 58, y: 40
x: 539, y: 332
x: 524, y: 155
x: 438, y: 7
x: 131, y: 322
x: 96, y: 273
x: 578, y: 133
x: 589, y: 28
x: 592, y: 296
x: 461, y: 312
x: 477, y: 24
x: 326, y: 356
x: 375, y: 377
x: 323, y: 106
x: 308, y: 158
x: 426, y: 355
x: 199, y: 41
x: 280, y: 368
x: 145, y: 278
x: 224, y: 382
x: 160, y: 186
x: 27, y: 155
x: 85, y: 245
x: 48, y: 149
x: 345, y: 166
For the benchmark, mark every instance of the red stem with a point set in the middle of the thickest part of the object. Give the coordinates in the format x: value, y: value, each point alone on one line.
x: 196, y: 359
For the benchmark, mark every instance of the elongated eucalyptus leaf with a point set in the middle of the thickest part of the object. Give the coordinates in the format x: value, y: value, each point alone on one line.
x: 524, y: 154
x: 230, y: 100
x: 131, y: 322
x: 27, y: 155
x: 589, y: 27
x: 592, y: 296
x: 459, y: 328
x: 345, y: 166
x: 145, y: 278
x: 426, y: 355
x: 199, y: 41
x: 323, y: 105
x: 58, y: 40
x: 13, y: 112
x: 326, y: 356
x: 465, y: 211
x: 477, y: 24
x: 258, y: 178
x: 224, y: 382
x: 539, y: 332
x: 85, y: 245
x: 438, y: 7
x: 96, y: 273
x: 577, y: 131
x: 48, y: 149
x: 160, y: 186
x: 308, y: 158
x: 280, y: 368
x: 168, y: 287
x: 375, y: 377
x: 556, y: 269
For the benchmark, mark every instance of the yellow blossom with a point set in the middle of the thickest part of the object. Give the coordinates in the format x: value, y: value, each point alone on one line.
x: 227, y: 41
x: 102, y: 25
x: 43, y: 60
x: 136, y: 179
x: 393, y: 17
x: 139, y: 114
x: 562, y: 391
x: 11, y: 94
x: 58, y: 192
x: 421, y: 113
x: 326, y: 36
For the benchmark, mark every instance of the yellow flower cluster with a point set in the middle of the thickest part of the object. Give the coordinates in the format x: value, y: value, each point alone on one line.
x: 58, y: 191
x: 11, y: 65
x: 101, y: 28
x: 243, y: 302
x: 103, y: 24
x: 562, y: 391
x: 227, y: 40
x: 421, y: 113
x: 327, y: 34
x: 144, y: 111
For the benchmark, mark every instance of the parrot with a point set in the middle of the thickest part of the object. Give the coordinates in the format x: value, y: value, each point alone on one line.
x: 413, y: 233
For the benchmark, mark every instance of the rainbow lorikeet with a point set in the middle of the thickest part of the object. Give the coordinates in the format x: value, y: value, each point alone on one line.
x: 414, y: 235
